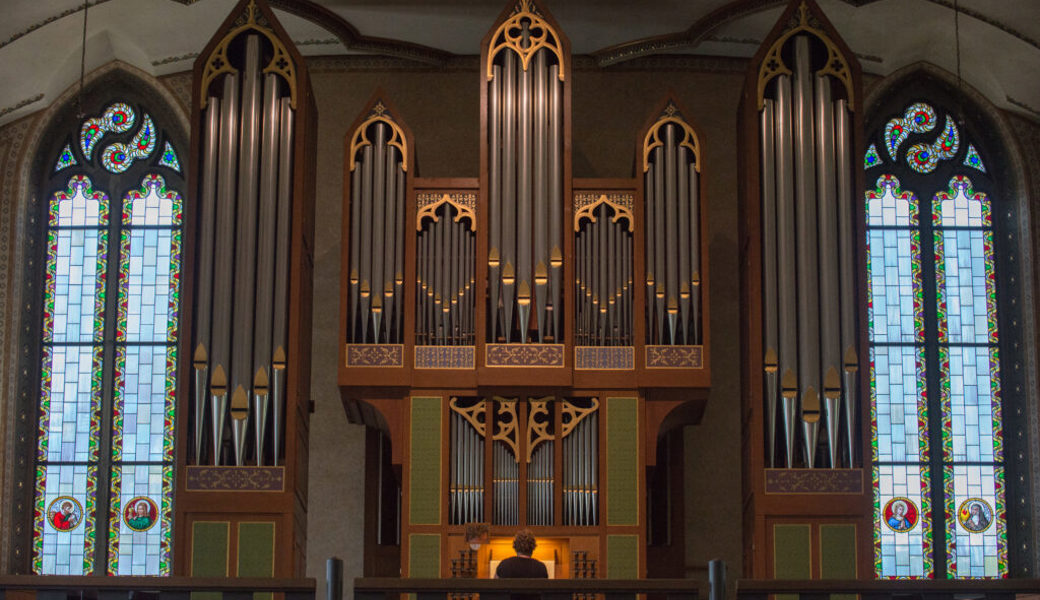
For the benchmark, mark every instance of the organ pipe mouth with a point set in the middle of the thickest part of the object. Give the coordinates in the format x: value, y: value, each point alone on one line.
x: 239, y: 404
x: 493, y: 259
x: 218, y: 383
x: 200, y: 359
x: 811, y: 406
x: 260, y: 381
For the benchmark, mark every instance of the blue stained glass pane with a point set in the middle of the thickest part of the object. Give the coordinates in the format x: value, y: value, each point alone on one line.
x: 147, y: 285
x: 974, y: 405
x: 892, y: 256
x: 976, y: 529
x: 74, y: 263
x: 964, y: 263
x: 902, y: 525
x: 71, y: 404
x: 140, y: 520
x: 65, y: 520
x: 897, y: 379
x: 169, y: 158
x: 143, y: 388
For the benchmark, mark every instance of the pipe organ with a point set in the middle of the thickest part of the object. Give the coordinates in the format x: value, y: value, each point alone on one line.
x: 801, y: 127
x: 248, y: 335
x: 495, y: 329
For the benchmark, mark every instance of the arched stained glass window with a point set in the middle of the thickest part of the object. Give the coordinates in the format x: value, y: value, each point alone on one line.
x: 103, y: 500
x: 935, y: 378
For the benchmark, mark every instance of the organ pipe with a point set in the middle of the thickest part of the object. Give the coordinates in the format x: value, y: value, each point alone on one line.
x: 378, y: 162
x: 243, y: 245
x: 807, y: 253
x: 525, y: 258
x: 672, y: 207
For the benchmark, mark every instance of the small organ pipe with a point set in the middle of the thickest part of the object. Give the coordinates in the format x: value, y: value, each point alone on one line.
x: 540, y: 197
x: 785, y: 227
x: 265, y: 242
x: 399, y: 253
x: 671, y: 230
x: 283, y: 235
x: 695, y: 250
x: 508, y: 218
x: 651, y: 258
x: 662, y: 250
x: 207, y: 222
x: 377, y: 247
x: 805, y: 207
x: 685, y: 272
x: 847, y: 270
x: 246, y: 212
x: 769, y: 275
x: 390, y: 237
x: 355, y: 250
x: 366, y: 240
x: 555, y: 141
x: 224, y: 246
x: 524, y: 200
x: 495, y: 193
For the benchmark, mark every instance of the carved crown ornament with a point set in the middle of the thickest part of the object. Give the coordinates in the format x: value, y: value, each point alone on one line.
x: 379, y: 114
x: 540, y: 34
x: 804, y: 21
x: 428, y: 204
x: 653, y: 137
x: 251, y: 19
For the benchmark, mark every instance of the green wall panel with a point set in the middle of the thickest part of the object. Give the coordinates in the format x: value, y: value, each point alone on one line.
x: 622, y: 556
x: 622, y: 461
x: 209, y: 553
x: 838, y: 551
x: 424, y: 555
x: 424, y: 460
x: 209, y: 548
x: 838, y: 554
x: 256, y: 549
x: 791, y: 552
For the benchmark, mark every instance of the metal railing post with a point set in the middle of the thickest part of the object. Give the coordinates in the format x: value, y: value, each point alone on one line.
x: 334, y: 579
x: 717, y: 579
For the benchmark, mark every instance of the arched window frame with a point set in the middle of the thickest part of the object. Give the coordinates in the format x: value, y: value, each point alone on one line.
x: 980, y: 127
x: 61, y: 125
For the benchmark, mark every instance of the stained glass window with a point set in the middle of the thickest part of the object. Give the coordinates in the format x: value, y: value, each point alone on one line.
x: 111, y: 295
x: 936, y: 411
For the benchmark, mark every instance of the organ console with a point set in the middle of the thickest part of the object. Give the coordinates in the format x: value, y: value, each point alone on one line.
x: 496, y: 330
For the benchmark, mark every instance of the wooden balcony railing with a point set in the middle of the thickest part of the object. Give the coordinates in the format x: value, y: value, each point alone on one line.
x: 60, y: 587
x: 922, y: 589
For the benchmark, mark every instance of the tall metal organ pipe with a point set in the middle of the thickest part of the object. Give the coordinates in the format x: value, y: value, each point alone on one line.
x: 241, y: 325
x: 377, y: 231
x: 525, y: 260
x: 808, y: 259
x: 671, y: 199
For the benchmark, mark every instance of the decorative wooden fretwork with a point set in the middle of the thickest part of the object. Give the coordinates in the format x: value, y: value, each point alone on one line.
x: 585, y: 205
x: 653, y: 139
x: 397, y: 138
x: 251, y: 19
x: 509, y: 36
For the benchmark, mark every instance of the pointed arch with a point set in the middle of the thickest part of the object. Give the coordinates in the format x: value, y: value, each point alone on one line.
x: 160, y: 121
x: 950, y: 346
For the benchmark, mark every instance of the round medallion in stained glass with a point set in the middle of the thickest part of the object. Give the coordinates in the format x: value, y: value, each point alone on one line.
x: 975, y: 515
x: 64, y: 513
x: 140, y: 513
x: 919, y: 118
x: 120, y: 117
x: 116, y: 158
x: 922, y: 158
x: 900, y: 514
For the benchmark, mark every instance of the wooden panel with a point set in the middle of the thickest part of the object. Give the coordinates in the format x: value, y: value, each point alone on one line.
x: 622, y: 461
x: 424, y: 555
x: 424, y: 462
x: 791, y: 551
x: 622, y: 557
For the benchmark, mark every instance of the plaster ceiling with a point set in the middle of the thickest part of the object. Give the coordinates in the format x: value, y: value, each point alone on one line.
x: 40, y: 48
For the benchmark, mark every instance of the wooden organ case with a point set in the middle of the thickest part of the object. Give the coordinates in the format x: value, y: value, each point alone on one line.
x: 516, y: 343
x: 241, y: 495
x: 807, y: 487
